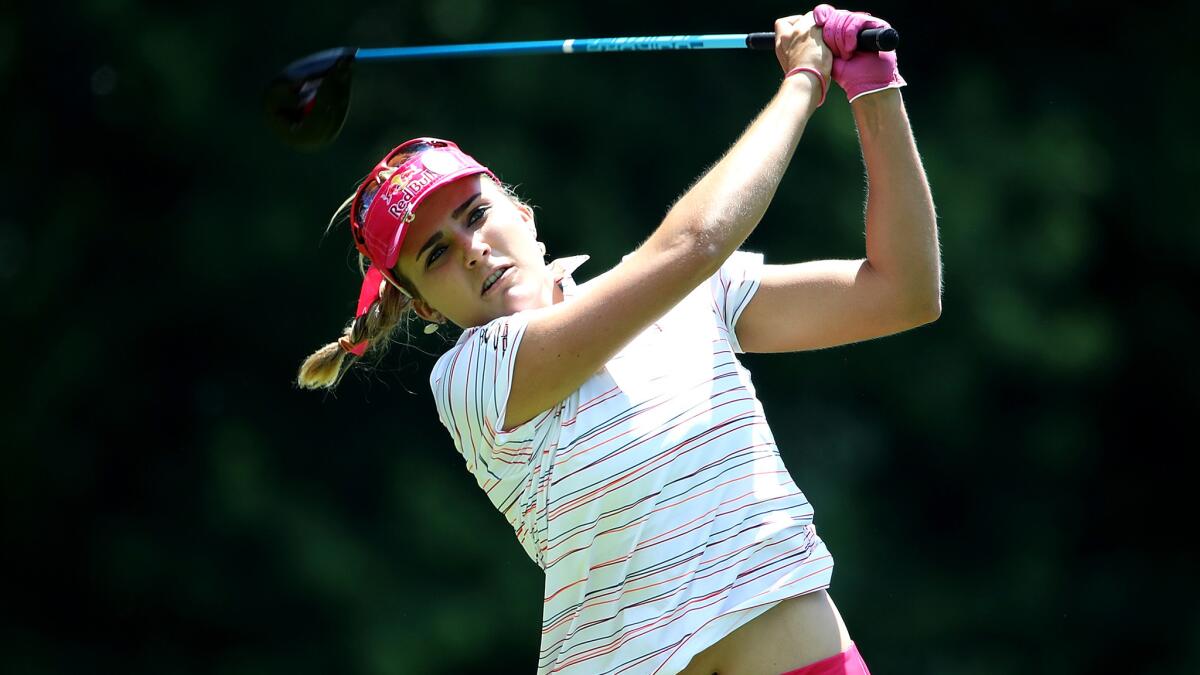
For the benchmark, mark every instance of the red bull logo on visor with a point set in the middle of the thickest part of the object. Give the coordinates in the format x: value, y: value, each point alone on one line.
x: 383, y: 227
x: 412, y: 180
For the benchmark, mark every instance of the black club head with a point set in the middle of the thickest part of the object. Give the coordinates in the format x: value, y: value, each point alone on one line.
x: 307, y: 103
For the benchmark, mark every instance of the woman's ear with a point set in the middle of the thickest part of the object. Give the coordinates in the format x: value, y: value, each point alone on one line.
x: 526, y: 212
x: 426, y: 312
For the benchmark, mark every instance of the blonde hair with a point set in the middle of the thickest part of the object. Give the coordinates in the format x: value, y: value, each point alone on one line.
x: 325, y: 368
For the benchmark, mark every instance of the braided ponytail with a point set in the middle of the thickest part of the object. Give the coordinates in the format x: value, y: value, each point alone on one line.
x: 324, y: 367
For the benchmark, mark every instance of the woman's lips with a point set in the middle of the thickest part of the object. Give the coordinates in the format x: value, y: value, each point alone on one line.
x: 503, y: 275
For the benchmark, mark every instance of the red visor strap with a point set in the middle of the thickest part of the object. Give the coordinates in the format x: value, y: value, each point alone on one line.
x: 367, y: 295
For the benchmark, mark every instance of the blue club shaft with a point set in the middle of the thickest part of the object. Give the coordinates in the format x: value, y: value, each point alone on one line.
x: 573, y: 46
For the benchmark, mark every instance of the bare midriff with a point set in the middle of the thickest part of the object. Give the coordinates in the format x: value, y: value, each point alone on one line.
x: 793, y: 634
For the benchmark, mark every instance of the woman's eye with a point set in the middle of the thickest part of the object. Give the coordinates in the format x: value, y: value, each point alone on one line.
x: 476, y: 216
x: 434, y: 255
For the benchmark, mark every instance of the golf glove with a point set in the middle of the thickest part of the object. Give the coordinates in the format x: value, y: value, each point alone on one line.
x: 857, y: 73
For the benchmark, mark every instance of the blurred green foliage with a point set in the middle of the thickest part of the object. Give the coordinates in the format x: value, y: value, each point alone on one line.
x: 1005, y: 490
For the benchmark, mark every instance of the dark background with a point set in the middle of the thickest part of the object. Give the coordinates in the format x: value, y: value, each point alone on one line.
x: 1005, y: 490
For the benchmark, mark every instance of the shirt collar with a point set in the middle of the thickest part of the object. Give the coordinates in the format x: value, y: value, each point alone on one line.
x: 565, y: 267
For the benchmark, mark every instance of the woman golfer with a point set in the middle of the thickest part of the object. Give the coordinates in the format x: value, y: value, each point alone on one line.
x: 611, y: 421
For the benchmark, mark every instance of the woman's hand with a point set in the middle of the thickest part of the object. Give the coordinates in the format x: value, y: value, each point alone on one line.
x: 857, y: 73
x: 799, y: 43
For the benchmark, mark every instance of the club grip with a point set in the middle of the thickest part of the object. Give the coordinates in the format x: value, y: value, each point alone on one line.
x: 869, y: 40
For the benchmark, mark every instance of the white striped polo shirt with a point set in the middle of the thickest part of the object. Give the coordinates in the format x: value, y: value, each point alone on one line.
x: 653, y: 497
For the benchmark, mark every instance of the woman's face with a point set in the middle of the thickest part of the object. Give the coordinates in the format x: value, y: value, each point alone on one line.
x: 461, y: 234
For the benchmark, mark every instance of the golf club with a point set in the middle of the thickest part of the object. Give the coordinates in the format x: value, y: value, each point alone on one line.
x: 307, y: 103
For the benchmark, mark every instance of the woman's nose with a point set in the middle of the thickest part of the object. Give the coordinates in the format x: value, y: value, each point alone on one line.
x: 475, y: 249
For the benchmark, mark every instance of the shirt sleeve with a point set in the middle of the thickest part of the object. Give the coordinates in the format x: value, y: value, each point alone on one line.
x: 733, y: 286
x: 471, y: 383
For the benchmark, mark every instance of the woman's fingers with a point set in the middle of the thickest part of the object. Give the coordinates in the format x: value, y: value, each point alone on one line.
x: 799, y: 42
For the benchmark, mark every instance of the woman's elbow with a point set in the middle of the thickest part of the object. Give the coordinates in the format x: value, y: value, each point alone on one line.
x: 930, y: 311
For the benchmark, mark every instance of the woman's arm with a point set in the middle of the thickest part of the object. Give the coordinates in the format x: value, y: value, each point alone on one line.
x: 565, y: 344
x: 826, y: 303
x: 724, y: 206
x: 902, y: 242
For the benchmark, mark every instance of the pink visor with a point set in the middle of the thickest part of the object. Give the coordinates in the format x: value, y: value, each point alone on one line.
x: 379, y: 231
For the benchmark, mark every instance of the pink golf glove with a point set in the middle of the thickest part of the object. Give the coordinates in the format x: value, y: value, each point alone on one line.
x: 857, y: 73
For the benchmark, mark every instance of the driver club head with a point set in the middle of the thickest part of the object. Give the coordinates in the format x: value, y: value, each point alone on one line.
x: 307, y: 103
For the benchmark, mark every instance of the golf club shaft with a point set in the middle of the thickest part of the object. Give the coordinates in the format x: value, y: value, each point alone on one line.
x: 872, y: 39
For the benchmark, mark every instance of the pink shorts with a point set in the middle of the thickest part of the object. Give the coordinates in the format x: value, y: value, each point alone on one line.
x: 849, y: 662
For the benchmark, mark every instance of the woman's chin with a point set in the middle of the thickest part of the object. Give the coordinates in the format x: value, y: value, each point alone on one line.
x: 518, y: 298
x: 520, y: 293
